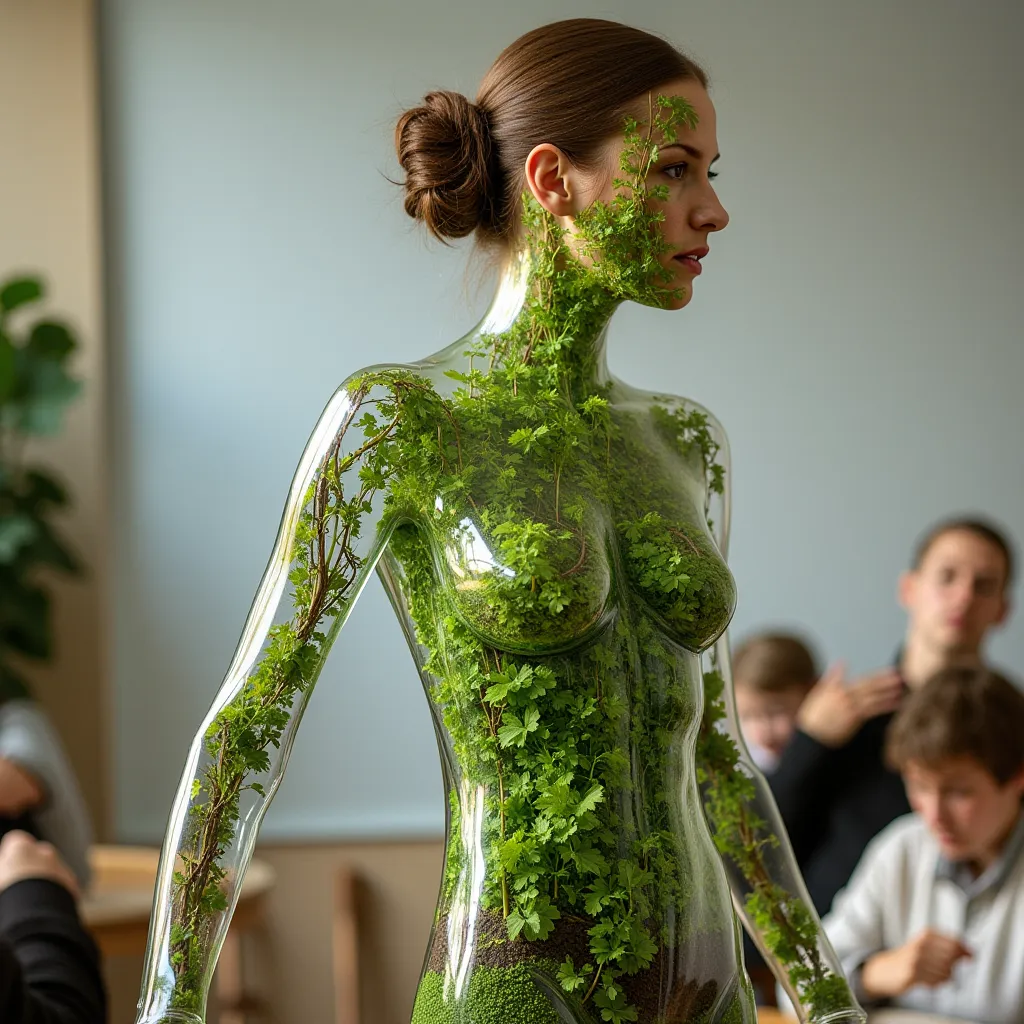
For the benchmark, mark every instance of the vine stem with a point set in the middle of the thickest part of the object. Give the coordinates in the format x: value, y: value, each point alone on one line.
x: 593, y: 984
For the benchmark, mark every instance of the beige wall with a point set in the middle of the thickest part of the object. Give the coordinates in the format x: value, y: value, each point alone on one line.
x: 292, y: 968
x: 49, y: 223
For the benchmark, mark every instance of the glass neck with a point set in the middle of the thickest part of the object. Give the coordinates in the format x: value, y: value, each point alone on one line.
x: 549, y: 312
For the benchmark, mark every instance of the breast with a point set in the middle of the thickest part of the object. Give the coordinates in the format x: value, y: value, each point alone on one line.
x: 676, y: 574
x: 525, y: 585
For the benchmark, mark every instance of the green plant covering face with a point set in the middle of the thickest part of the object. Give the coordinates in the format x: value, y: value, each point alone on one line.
x: 542, y: 529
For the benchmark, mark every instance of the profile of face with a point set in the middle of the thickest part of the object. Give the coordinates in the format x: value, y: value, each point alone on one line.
x: 768, y: 720
x: 957, y: 593
x: 967, y: 810
x: 692, y: 212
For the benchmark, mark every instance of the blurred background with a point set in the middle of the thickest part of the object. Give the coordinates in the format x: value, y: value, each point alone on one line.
x: 205, y: 188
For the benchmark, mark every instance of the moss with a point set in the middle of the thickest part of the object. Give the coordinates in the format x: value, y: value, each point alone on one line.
x: 495, y: 995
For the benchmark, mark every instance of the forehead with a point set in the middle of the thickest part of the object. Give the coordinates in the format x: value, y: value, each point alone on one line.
x: 705, y: 132
x: 783, y: 697
x: 964, y: 549
x: 946, y: 772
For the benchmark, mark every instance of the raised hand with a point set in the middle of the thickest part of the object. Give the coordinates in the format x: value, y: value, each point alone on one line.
x: 834, y: 710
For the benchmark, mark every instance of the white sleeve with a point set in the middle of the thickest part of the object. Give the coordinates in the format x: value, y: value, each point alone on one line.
x: 856, y: 924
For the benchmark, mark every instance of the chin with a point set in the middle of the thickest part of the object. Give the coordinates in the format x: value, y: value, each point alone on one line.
x: 680, y: 301
x: 953, y: 850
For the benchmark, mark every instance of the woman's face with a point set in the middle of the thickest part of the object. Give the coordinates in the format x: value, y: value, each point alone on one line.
x: 692, y: 210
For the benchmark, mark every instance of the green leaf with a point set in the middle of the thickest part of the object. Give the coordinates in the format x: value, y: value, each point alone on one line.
x: 19, y: 292
x: 591, y: 799
x: 15, y: 533
x: 8, y: 368
x: 515, y: 922
x: 569, y: 978
x: 50, y: 340
x: 515, y: 730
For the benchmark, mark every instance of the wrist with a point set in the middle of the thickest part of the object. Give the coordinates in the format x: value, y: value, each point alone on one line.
x: 878, y: 976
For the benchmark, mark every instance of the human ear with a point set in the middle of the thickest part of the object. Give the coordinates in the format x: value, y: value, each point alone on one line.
x: 905, y: 589
x: 550, y: 177
x: 1016, y: 783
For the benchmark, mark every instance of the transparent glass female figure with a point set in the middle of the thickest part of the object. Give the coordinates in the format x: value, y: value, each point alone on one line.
x: 553, y: 543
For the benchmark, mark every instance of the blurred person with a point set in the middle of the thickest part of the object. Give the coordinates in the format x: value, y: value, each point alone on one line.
x: 49, y: 966
x: 39, y: 792
x: 933, y: 917
x: 832, y: 785
x: 772, y: 674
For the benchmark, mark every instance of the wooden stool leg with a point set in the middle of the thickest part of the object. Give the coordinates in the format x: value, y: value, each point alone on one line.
x: 346, y: 949
x: 231, y: 981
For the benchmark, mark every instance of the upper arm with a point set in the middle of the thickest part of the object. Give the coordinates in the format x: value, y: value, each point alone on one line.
x: 344, y: 500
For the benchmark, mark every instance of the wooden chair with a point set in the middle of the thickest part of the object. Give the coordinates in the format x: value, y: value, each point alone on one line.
x: 116, y: 910
x: 345, y: 947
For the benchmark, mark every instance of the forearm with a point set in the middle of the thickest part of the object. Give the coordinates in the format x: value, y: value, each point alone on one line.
x: 49, y: 966
x: 20, y: 789
x: 877, y: 978
x: 767, y: 888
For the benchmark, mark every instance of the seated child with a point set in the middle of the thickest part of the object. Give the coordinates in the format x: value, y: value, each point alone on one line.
x: 933, y: 917
x: 772, y: 673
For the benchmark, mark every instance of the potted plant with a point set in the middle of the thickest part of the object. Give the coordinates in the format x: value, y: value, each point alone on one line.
x: 35, y: 390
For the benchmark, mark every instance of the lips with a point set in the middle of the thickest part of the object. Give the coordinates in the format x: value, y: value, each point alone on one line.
x: 691, y: 260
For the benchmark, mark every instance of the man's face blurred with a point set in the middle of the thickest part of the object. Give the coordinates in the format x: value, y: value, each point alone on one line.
x: 957, y: 594
x: 968, y: 811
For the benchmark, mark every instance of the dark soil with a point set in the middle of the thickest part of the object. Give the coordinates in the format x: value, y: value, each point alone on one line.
x: 688, y: 1000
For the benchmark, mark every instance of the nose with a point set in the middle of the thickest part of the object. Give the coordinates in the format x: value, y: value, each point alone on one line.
x: 709, y: 214
x: 964, y: 595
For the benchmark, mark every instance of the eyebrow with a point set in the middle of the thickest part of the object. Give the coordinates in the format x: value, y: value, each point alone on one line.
x: 691, y: 150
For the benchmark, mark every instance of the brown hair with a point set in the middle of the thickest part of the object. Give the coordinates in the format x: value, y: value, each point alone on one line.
x: 980, y: 528
x: 773, y: 662
x: 569, y: 83
x: 961, y: 712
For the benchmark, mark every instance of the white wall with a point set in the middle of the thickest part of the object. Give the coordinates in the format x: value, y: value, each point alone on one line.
x: 858, y: 327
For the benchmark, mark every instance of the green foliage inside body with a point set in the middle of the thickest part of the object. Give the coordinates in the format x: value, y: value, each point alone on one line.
x: 35, y: 389
x: 564, y: 691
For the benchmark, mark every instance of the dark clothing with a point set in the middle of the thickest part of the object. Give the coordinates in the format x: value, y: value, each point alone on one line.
x: 24, y: 822
x: 834, y: 802
x: 49, y: 966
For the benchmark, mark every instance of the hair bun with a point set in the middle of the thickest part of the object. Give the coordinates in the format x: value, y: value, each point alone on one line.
x: 444, y: 147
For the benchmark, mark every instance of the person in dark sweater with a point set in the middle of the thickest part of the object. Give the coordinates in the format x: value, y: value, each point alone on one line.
x: 832, y: 786
x: 49, y: 966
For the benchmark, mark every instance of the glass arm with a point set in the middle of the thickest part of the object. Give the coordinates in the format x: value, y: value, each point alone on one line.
x: 768, y: 889
x: 333, y: 531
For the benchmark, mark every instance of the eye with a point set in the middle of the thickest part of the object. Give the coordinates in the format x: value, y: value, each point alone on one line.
x: 676, y: 171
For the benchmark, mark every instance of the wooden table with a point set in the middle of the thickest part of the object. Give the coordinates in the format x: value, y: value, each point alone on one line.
x: 773, y: 1015
x: 116, y: 910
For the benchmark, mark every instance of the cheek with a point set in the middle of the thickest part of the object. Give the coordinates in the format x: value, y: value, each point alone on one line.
x: 966, y: 813
x: 674, y: 224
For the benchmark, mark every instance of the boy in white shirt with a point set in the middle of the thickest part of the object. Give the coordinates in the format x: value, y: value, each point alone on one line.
x: 933, y: 917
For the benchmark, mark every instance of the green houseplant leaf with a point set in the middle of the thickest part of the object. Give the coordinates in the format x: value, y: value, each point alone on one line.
x: 35, y: 390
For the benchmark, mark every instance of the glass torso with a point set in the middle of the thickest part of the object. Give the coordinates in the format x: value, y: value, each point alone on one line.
x: 557, y: 597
